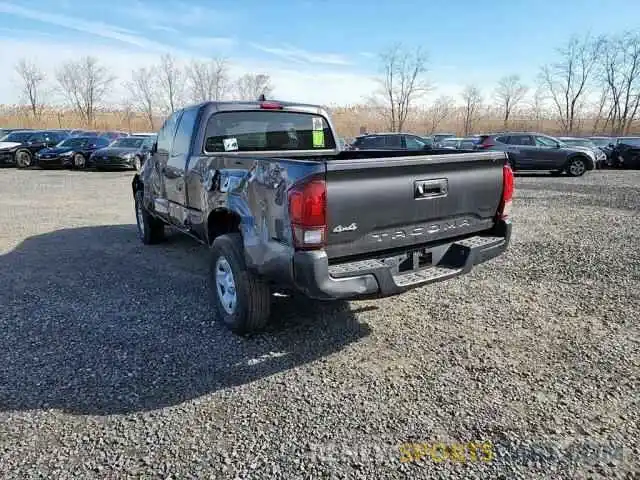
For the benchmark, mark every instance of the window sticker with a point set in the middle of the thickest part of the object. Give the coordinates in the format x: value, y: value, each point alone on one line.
x: 318, y: 139
x: 317, y: 124
x: 230, y: 144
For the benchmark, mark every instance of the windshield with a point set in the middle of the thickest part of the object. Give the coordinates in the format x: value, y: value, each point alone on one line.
x: 73, y: 142
x: 17, y: 137
x: 634, y: 142
x: 128, y: 142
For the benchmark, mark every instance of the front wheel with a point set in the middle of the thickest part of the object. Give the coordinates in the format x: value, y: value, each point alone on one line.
x: 240, y: 299
x: 150, y: 229
x: 23, y: 158
x: 577, y: 167
x: 79, y: 161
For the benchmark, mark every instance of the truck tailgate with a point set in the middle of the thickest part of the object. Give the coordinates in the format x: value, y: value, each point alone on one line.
x: 379, y: 204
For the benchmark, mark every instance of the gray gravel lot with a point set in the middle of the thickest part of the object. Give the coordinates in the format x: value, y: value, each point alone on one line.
x: 111, y: 365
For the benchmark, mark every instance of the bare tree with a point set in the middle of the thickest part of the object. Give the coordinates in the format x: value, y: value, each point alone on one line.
x: 620, y: 74
x: 250, y: 86
x: 537, y: 105
x: 403, y: 81
x: 472, y: 99
x: 143, y: 90
x: 31, y: 85
x: 567, y: 80
x: 439, y: 112
x: 509, y: 94
x: 208, y: 80
x: 85, y: 84
x: 171, y: 83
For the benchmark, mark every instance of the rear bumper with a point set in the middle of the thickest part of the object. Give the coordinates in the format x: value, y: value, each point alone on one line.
x: 373, y: 278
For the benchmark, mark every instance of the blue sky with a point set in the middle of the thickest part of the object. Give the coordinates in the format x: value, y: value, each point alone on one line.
x: 315, y: 50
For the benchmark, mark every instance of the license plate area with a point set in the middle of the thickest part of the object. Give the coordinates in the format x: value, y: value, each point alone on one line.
x: 409, y: 261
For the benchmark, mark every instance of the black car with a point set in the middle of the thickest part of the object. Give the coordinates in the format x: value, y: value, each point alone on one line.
x: 125, y: 152
x: 72, y: 152
x: 605, y: 144
x: 390, y: 141
x: 19, y: 147
x: 626, y: 152
x: 534, y: 151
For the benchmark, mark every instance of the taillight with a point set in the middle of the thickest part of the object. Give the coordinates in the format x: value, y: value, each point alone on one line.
x: 308, y: 214
x: 508, y: 185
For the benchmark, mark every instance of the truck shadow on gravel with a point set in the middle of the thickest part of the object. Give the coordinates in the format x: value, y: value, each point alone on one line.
x: 93, y: 322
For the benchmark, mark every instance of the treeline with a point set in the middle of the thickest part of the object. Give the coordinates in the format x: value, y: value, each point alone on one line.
x: 590, y: 85
x: 159, y: 90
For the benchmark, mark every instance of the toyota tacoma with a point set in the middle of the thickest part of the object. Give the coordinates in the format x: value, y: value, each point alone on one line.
x: 266, y: 187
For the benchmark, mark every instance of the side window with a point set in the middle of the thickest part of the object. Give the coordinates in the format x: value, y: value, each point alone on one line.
x: 393, y: 141
x: 520, y: 140
x: 502, y: 139
x: 182, y: 140
x: 166, y: 133
x: 413, y: 143
x: 372, y: 142
x: 36, y: 137
x: 545, y: 142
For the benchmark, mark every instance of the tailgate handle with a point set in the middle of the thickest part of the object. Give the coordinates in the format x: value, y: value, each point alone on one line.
x: 430, y: 188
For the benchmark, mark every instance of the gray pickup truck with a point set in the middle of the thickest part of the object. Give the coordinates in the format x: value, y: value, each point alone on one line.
x: 265, y: 186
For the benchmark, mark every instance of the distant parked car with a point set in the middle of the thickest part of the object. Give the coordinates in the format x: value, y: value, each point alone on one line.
x: 436, y: 139
x: 601, y: 156
x: 460, y: 143
x: 389, y: 141
x: 534, y: 151
x: 71, y: 153
x: 125, y: 152
x: 626, y: 152
x: 19, y: 147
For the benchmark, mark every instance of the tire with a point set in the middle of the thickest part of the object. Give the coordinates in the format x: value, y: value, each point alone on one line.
x: 23, y: 158
x: 249, y: 308
x: 150, y: 229
x: 577, y: 166
x: 79, y: 161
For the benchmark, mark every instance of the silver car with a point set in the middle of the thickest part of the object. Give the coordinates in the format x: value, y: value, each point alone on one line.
x: 587, y: 144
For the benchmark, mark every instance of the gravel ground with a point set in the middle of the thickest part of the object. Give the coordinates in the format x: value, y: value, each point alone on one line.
x: 111, y: 365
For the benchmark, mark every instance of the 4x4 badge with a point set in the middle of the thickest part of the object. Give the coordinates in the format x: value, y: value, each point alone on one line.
x: 350, y: 228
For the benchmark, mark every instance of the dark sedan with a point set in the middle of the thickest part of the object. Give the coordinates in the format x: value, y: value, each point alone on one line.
x: 626, y: 152
x: 71, y: 153
x: 125, y: 152
x: 19, y: 147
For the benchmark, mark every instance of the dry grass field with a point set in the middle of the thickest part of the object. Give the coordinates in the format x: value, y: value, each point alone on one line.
x: 348, y: 120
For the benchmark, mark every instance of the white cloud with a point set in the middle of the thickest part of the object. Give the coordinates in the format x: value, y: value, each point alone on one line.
x: 298, y: 55
x: 295, y: 84
x: 174, y: 14
x: 99, y: 29
x: 204, y: 43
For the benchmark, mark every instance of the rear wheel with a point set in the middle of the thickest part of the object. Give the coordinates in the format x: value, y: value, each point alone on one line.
x: 577, y: 167
x: 241, y: 300
x: 150, y: 229
x: 23, y: 158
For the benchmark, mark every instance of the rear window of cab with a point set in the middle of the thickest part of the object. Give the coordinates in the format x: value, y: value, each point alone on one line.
x: 264, y: 131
